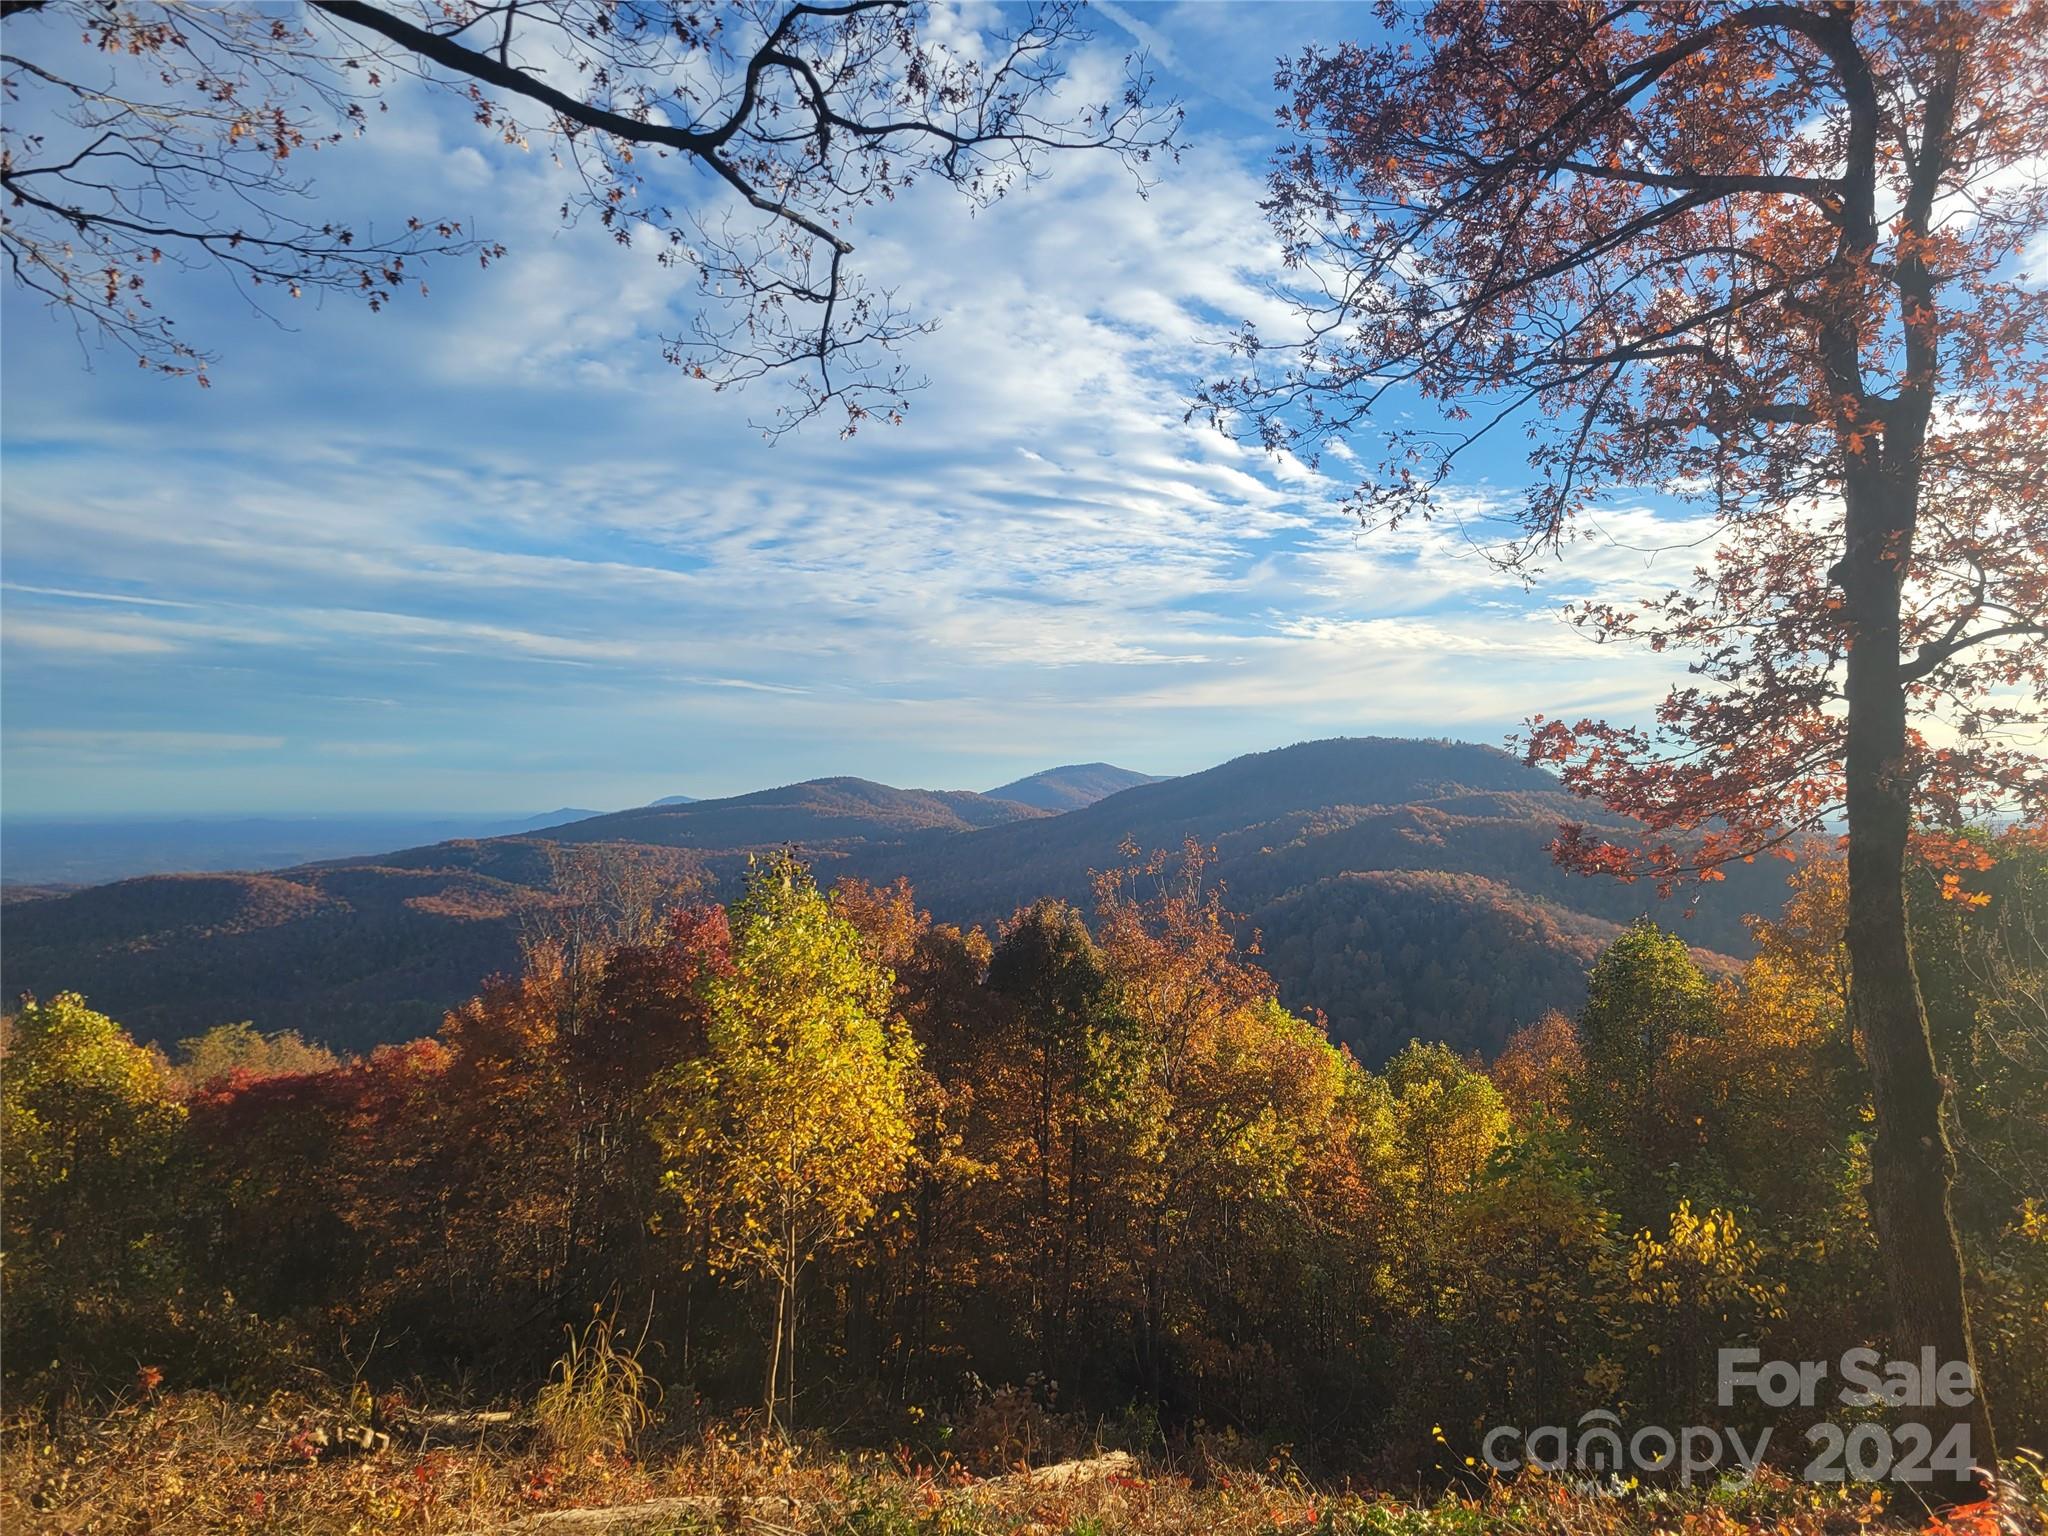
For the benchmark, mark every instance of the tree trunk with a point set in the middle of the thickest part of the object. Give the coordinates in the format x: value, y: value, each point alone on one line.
x: 789, y: 1368
x: 1912, y: 1161
x: 1047, y: 1346
x: 770, y: 1393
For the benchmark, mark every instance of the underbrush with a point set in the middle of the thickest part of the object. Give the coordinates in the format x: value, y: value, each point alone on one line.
x: 195, y: 1462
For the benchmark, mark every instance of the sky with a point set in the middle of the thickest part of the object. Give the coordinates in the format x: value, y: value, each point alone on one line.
x: 487, y: 552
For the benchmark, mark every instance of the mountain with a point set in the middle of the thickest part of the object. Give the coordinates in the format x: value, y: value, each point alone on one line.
x: 352, y: 957
x: 1402, y: 887
x: 360, y: 951
x: 1247, y: 801
x: 76, y: 851
x: 816, y: 813
x: 552, y: 818
x: 1071, y: 787
x: 675, y: 800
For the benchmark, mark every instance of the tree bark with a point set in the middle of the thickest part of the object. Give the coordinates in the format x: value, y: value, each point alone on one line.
x: 1913, y: 1163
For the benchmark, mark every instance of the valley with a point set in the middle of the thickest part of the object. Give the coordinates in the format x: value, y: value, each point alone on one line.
x: 1404, y: 889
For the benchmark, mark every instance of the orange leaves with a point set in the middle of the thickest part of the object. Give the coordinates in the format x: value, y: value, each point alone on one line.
x: 1952, y: 890
x: 1982, y: 1519
x: 1951, y: 859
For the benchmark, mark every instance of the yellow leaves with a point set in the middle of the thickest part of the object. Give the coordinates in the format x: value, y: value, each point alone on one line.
x: 2031, y: 1221
x: 1704, y: 1263
x: 784, y: 1134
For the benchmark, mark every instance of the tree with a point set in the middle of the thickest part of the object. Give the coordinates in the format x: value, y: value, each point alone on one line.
x: 1449, y: 1121
x: 601, y: 897
x: 1535, y: 1069
x: 91, y: 1123
x: 1645, y: 1001
x: 241, y: 1048
x: 1185, y: 990
x: 783, y: 1135
x: 933, y: 1248
x: 1983, y: 956
x: 740, y: 143
x: 1764, y: 257
x: 1053, y: 979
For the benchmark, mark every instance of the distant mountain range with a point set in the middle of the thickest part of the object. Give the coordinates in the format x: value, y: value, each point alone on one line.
x: 820, y: 811
x: 1071, y: 787
x: 54, y: 851
x: 39, y: 855
x: 1404, y: 888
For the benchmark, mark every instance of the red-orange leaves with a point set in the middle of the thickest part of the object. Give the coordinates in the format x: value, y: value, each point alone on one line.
x: 1759, y: 257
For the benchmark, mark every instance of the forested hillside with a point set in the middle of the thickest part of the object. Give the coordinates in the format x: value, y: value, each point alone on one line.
x: 1406, y: 955
x: 1286, y: 819
x: 837, y: 1162
x: 1481, y: 933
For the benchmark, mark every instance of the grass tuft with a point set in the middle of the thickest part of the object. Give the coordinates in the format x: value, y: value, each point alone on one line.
x: 599, y: 1399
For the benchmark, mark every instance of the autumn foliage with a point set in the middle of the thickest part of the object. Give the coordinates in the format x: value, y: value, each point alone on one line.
x: 817, y: 1157
x: 1767, y: 267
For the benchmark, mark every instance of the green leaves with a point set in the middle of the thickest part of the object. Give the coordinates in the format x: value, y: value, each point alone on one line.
x: 90, y: 1127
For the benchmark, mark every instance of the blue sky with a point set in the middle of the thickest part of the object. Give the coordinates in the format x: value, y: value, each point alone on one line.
x: 486, y: 551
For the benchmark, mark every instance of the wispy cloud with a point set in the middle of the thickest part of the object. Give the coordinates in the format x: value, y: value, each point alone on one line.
x: 82, y: 640
x: 122, y: 742
x: 487, y: 549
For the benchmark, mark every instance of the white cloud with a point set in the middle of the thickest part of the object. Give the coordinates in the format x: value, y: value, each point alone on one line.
x: 79, y: 640
x: 494, y: 517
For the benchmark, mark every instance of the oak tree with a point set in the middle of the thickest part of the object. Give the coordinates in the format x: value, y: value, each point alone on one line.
x: 1767, y: 259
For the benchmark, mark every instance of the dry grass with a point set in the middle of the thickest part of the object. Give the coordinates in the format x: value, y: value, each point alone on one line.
x: 599, y: 1399
x: 195, y: 1463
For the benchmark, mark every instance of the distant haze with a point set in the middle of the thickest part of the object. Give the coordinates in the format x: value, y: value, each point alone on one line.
x: 50, y: 851
x: 87, y: 851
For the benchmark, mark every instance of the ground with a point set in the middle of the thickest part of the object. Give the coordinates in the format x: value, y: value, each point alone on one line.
x: 196, y: 1462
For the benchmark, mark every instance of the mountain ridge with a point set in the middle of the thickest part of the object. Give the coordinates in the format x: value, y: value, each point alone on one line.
x: 1071, y: 786
x: 830, y: 808
x: 1397, y: 886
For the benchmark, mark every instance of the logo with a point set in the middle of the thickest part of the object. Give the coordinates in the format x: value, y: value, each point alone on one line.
x: 1602, y: 1449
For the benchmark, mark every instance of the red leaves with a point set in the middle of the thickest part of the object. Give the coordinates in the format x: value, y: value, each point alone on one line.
x: 1981, y: 1519
x: 1667, y: 222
